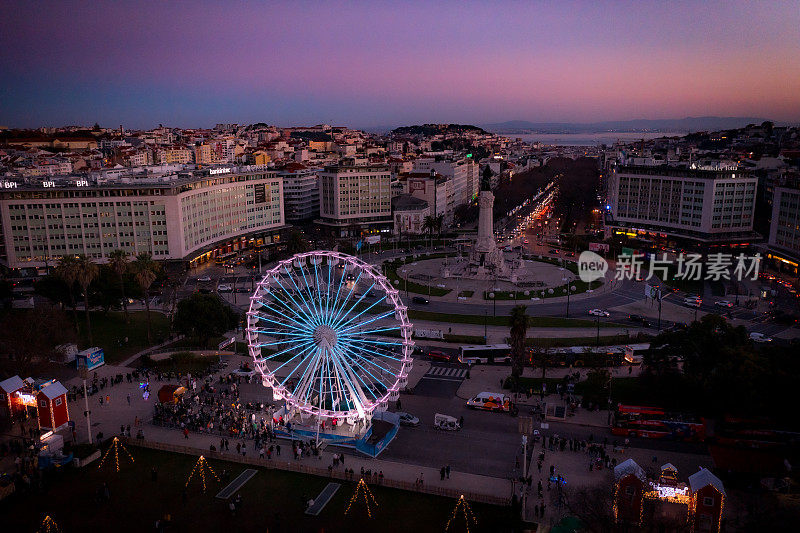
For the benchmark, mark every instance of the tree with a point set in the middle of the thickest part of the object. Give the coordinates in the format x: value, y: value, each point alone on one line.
x: 67, y: 270
x: 296, y: 243
x: 30, y: 336
x: 429, y: 225
x: 204, y: 316
x: 540, y: 354
x: 118, y: 260
x: 87, y: 272
x: 518, y: 330
x: 145, y: 271
x: 594, y: 508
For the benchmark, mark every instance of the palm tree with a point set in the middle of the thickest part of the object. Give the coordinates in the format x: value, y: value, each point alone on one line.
x: 519, y: 329
x: 145, y: 270
x: 87, y: 272
x: 67, y: 270
x: 439, y: 222
x: 118, y: 259
x: 429, y: 225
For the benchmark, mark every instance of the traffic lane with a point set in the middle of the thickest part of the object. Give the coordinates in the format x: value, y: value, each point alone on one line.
x: 487, y: 444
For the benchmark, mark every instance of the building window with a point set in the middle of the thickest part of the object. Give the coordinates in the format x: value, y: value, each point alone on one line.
x: 708, y: 501
x: 42, y: 403
x: 58, y: 402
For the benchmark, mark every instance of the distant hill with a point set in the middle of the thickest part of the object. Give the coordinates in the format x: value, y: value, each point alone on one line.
x: 433, y: 129
x: 687, y: 124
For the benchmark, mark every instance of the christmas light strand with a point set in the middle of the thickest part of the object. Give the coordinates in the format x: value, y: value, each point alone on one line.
x: 48, y: 526
x: 362, y: 489
x: 115, y: 446
x: 465, y: 509
x: 201, y: 465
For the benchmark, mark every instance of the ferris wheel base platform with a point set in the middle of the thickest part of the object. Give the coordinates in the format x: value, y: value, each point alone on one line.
x: 381, y: 432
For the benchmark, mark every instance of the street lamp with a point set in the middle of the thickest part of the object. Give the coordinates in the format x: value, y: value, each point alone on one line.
x: 494, y: 304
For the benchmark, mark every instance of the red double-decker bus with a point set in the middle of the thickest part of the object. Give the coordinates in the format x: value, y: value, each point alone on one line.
x: 656, y: 423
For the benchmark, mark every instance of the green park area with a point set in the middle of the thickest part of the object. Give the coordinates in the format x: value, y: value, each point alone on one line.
x: 120, y: 339
x: 273, y: 500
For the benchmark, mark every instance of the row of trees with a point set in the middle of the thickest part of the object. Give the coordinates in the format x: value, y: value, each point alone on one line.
x: 78, y: 273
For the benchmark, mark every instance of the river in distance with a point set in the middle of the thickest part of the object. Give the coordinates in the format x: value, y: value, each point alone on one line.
x: 589, y: 139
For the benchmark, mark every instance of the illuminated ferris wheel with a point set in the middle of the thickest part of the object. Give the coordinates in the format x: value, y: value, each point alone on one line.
x: 330, y: 335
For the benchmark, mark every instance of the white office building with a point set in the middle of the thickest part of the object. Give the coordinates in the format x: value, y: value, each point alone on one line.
x: 188, y: 216
x: 710, y: 206
x: 355, y: 199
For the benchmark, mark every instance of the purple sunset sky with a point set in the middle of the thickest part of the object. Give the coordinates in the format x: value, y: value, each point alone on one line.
x: 389, y: 63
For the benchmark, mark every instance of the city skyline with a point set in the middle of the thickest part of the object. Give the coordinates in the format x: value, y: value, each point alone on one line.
x: 372, y: 65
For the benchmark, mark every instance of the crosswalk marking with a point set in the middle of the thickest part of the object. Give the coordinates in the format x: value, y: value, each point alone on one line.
x: 443, y: 372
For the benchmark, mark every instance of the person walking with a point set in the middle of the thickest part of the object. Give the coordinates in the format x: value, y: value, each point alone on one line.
x: 129, y: 400
x: 447, y: 471
x: 441, y: 473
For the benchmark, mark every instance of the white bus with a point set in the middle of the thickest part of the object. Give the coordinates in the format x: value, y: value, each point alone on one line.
x: 485, y: 353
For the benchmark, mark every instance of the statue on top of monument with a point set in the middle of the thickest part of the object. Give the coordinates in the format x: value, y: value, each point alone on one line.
x: 486, y: 179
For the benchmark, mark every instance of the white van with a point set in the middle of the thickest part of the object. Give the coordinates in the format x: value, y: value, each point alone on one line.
x: 490, y: 401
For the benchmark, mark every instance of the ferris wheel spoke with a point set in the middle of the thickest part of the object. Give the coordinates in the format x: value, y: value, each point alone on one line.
x: 386, y: 354
x: 284, y: 324
x: 344, y: 316
x: 311, y: 346
x: 289, y: 349
x: 373, y: 341
x: 350, y: 320
x: 355, y: 358
x: 298, y: 308
x: 354, y: 352
x: 352, y: 325
x: 306, y: 305
x: 359, y: 359
x: 310, y: 292
x: 346, y: 298
x: 353, y: 385
x: 338, y: 290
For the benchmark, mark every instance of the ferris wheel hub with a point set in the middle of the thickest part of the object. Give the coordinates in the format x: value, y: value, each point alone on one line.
x: 325, y: 333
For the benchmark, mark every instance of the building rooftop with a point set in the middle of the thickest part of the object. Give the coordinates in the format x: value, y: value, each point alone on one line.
x: 406, y: 202
x: 703, y: 478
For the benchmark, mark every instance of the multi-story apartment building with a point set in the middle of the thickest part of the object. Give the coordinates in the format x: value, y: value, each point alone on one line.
x: 355, y: 199
x: 174, y: 154
x: 300, y: 192
x: 463, y: 173
x: 784, y: 232
x: 434, y: 189
x: 203, y: 154
x: 705, y: 206
x: 187, y: 216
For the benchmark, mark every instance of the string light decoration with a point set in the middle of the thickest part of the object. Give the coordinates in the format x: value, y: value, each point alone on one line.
x: 362, y: 489
x: 115, y: 446
x: 201, y: 465
x: 465, y: 510
x: 48, y: 526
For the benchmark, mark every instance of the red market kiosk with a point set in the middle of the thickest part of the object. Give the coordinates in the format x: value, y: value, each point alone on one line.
x: 51, y: 403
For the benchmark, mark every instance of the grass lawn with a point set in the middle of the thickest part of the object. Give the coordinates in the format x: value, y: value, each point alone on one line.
x: 418, y: 288
x: 273, y: 501
x: 109, y: 332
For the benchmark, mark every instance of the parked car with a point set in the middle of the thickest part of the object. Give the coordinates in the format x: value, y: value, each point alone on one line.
x: 420, y: 300
x: 204, y: 279
x: 599, y: 312
x: 759, y: 337
x: 723, y: 303
x: 552, y: 251
x: 445, y: 422
x: 224, y: 288
x: 407, y: 419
